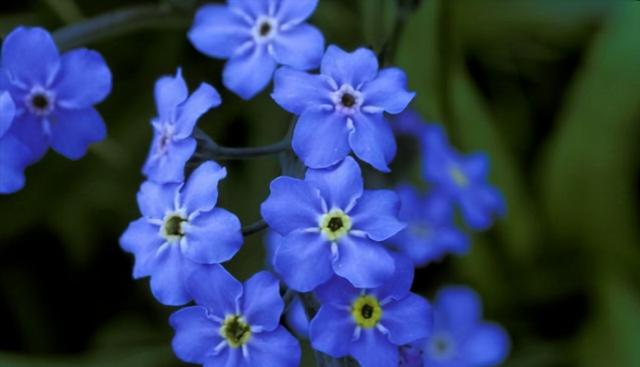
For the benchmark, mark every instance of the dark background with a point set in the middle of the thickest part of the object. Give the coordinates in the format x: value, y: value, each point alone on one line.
x: 551, y: 90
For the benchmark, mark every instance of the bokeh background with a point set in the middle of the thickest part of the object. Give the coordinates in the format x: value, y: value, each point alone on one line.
x: 551, y: 90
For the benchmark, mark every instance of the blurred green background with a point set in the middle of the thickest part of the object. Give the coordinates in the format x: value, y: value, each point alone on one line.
x: 550, y: 89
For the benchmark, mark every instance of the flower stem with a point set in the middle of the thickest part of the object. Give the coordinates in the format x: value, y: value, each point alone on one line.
x: 254, y: 227
x: 208, y: 149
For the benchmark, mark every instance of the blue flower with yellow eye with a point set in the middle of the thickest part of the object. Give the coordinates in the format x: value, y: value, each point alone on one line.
x: 181, y: 228
x: 14, y: 156
x: 232, y: 324
x: 370, y: 324
x: 343, y: 108
x: 431, y: 232
x: 54, y: 94
x: 463, y: 178
x: 460, y: 337
x: 256, y: 36
x: 331, y: 225
x: 178, y: 113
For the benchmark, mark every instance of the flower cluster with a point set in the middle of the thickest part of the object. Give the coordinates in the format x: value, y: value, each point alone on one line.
x: 341, y: 257
x: 46, y: 100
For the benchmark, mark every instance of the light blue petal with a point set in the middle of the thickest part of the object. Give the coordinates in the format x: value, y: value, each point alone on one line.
x: 218, y: 32
x: 487, y: 345
x: 355, y: 68
x: 201, y: 101
x: 388, y: 91
x: 275, y: 348
x: 213, y: 237
x: 28, y: 129
x: 300, y: 47
x: 30, y: 56
x: 374, y: 350
x: 7, y: 112
x: 169, y: 92
x: 252, y: 8
x: 84, y: 79
x: 303, y: 260
x: 296, y: 318
x: 331, y: 331
x: 168, y: 166
x: 376, y: 214
x: 476, y: 166
x: 460, y: 308
x: 249, y: 72
x: 201, y: 189
x: 142, y: 240
x: 156, y: 200
x: 296, y: 91
x: 170, y: 270
x: 14, y: 157
x: 337, y: 292
x: 363, y: 262
x: 372, y: 140
x: 211, y: 286
x: 480, y: 205
x: 399, y: 284
x: 295, y: 11
x: 341, y: 186
x: 408, y: 319
x: 73, y: 131
x: 261, y: 302
x: 196, y: 335
x: 320, y: 138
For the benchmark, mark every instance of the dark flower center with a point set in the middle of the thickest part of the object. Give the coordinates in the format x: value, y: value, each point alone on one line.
x: 265, y: 29
x: 173, y: 226
x: 40, y: 102
x: 366, y: 311
x: 348, y: 100
x: 441, y: 346
x: 335, y: 224
x: 236, y: 331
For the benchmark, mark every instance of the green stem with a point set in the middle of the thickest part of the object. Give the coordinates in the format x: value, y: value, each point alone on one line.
x: 254, y: 227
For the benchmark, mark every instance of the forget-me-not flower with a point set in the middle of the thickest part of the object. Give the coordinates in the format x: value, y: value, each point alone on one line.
x: 463, y: 178
x: 233, y: 325
x: 181, y: 227
x: 331, y: 225
x: 460, y: 337
x: 256, y: 36
x: 431, y: 232
x: 54, y: 94
x: 370, y: 324
x: 178, y: 113
x: 342, y: 109
x: 14, y: 156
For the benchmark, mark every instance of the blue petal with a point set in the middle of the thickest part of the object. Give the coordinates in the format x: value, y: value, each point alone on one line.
x: 460, y: 308
x: 168, y: 166
x: 228, y: 357
x: 213, y: 237
x: 337, y: 292
x: 341, y: 186
x: 169, y: 275
x: 29, y: 130
x: 272, y: 241
x: 320, y: 138
x: 388, y: 91
x: 296, y: 91
x: 487, y: 345
x: 84, y: 79
x: 452, y: 240
x: 300, y: 47
x: 211, y: 286
x: 295, y: 11
x: 373, y: 349
x: 196, y: 335
x: 156, y: 200
x: 303, y: 260
x: 14, y: 157
x: 296, y: 318
x: 410, y: 203
x: 480, y: 205
x: 372, y: 140
x: 331, y: 331
x: 353, y: 68
x: 30, y: 56
x: 142, y: 240
x: 252, y: 8
x: 410, y: 123
x: 437, y: 209
x: 407, y: 320
x: 201, y: 189
x: 276, y: 348
x: 169, y: 93
x: 293, y: 204
x: 476, y: 166
x: 364, y: 263
x: 376, y: 214
x: 399, y: 284
x: 218, y: 31
x: 249, y: 72
x: 201, y: 101
x: 7, y: 112
x: 261, y: 302
x: 72, y: 131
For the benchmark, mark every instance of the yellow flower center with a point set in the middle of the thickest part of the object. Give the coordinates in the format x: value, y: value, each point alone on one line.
x: 366, y: 311
x: 335, y: 224
x: 235, y: 331
x: 458, y: 176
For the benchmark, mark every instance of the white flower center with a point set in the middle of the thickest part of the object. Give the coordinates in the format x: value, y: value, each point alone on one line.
x: 173, y: 226
x: 347, y: 100
x: 265, y: 29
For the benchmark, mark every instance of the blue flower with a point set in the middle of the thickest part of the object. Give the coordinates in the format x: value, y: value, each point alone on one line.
x: 13, y: 154
x: 233, y: 325
x: 430, y: 232
x: 342, y: 109
x: 463, y: 179
x: 331, y: 225
x: 256, y: 36
x: 181, y: 228
x: 370, y: 324
x: 460, y: 337
x: 54, y: 94
x: 178, y: 114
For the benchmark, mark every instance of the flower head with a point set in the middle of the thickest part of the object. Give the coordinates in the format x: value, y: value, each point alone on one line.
x: 370, y: 324
x: 462, y: 178
x: 256, y: 36
x: 178, y: 113
x: 54, y: 94
x: 14, y: 156
x: 431, y: 232
x: 181, y: 228
x: 342, y: 109
x: 331, y: 225
x: 233, y: 324
x: 460, y: 337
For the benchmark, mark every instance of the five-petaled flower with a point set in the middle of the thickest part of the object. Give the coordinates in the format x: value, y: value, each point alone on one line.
x: 460, y: 337
x: 370, y: 324
x: 178, y: 113
x: 233, y: 325
x: 342, y: 109
x: 331, y: 225
x: 181, y: 228
x: 256, y: 36
x: 54, y: 94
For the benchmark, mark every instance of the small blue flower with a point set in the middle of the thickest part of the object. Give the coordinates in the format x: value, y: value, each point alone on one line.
x: 463, y: 179
x: 178, y: 114
x: 54, y: 94
x: 342, y: 109
x: 233, y: 325
x: 181, y: 228
x: 331, y: 225
x: 370, y: 324
x: 256, y: 36
x: 13, y: 154
x: 460, y: 337
x: 430, y: 232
